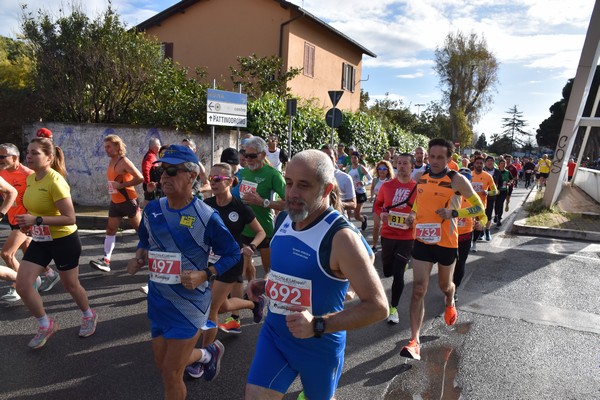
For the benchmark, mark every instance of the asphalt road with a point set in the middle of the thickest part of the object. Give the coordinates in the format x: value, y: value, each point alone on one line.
x: 528, y: 328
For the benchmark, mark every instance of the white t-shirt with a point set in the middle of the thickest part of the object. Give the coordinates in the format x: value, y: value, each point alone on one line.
x: 274, y: 159
x: 346, y: 185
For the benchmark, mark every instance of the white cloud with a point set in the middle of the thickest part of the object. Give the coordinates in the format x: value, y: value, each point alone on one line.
x: 418, y: 74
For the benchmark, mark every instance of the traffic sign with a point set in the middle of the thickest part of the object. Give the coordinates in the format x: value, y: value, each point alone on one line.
x: 334, y: 117
x: 226, y: 108
x: 335, y: 96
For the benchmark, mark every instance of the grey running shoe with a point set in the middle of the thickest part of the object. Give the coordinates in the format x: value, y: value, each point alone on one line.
x: 211, y: 368
x: 48, y: 283
x: 11, y: 296
x: 195, y: 370
x: 43, y: 335
x: 101, y: 265
x: 88, y: 325
x: 393, y: 317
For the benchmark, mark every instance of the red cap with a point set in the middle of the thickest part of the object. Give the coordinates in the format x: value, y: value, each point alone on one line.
x: 44, y: 133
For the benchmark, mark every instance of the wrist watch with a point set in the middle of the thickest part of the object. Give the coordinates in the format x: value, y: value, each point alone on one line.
x: 318, y: 326
x: 210, y: 277
x: 266, y: 203
x: 39, y: 221
x: 252, y: 246
x: 454, y: 213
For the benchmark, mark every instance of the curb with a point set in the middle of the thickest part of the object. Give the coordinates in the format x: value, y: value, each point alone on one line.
x: 97, y: 223
x: 520, y: 227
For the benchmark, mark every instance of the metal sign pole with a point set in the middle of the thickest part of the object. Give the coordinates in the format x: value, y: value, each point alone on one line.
x: 290, y: 136
x: 212, y: 141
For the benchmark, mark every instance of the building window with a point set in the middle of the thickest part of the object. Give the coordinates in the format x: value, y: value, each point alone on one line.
x: 166, y: 50
x: 309, y: 60
x: 348, y: 75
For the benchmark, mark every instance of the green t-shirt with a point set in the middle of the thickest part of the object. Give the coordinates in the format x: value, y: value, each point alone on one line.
x: 266, y: 181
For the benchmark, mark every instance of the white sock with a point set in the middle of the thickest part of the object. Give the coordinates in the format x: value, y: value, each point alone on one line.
x: 109, y: 246
x: 44, y: 322
x: 206, y: 356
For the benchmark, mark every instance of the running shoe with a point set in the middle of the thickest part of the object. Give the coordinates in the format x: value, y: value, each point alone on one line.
x: 393, y: 317
x: 195, y: 370
x: 499, y: 223
x: 231, y: 325
x: 474, y: 247
x: 506, y: 207
x: 363, y: 226
x: 211, y: 368
x: 450, y: 316
x: 37, y: 283
x: 88, y: 325
x: 144, y: 289
x: 257, y: 311
x: 49, y: 282
x: 488, y: 236
x: 42, y: 335
x: 12, y: 295
x: 411, y: 350
x: 102, y: 264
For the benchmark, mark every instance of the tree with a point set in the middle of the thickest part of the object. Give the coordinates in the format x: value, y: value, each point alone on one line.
x: 481, y: 142
x: 434, y: 122
x: 549, y: 130
x: 261, y: 75
x: 468, y: 73
x: 513, y: 128
x: 500, y: 144
x: 88, y: 71
x: 17, y: 97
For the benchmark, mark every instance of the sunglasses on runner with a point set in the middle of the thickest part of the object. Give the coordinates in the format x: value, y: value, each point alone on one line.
x: 218, y: 178
x: 382, y: 168
x: 171, y: 170
x: 6, y: 156
x: 252, y: 156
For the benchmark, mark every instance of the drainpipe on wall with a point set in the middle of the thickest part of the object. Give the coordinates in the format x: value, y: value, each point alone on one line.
x: 283, y: 24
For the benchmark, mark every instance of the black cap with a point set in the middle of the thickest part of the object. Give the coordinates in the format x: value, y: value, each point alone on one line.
x: 230, y: 156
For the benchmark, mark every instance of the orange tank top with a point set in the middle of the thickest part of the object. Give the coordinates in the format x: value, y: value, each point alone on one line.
x: 119, y: 195
x: 18, y: 180
x: 465, y: 225
x: 433, y: 194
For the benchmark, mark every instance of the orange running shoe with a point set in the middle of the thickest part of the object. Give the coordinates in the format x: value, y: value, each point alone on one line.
x: 450, y: 316
x: 411, y: 350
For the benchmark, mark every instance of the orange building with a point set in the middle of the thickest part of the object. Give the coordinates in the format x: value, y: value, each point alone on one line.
x: 212, y: 33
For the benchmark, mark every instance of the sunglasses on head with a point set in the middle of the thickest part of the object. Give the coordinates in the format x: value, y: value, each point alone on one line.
x: 252, y: 156
x: 171, y: 170
x: 271, y: 140
x: 382, y: 168
x: 218, y: 178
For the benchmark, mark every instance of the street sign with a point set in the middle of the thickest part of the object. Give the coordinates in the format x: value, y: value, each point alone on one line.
x: 334, y: 117
x: 335, y: 96
x: 226, y: 108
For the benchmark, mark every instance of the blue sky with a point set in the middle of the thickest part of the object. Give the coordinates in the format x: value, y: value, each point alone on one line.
x: 537, y: 42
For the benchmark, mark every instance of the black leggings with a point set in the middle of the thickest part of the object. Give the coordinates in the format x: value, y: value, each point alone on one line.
x: 394, y: 257
x: 527, y: 179
x: 463, y: 252
x: 499, y: 206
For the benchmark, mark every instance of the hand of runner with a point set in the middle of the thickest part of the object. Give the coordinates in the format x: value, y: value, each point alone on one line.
x: 25, y: 220
x: 192, y: 279
x: 410, y: 219
x: 255, y: 289
x: 247, y: 251
x: 300, y: 323
x: 134, y: 265
x: 253, y: 198
x: 445, y: 213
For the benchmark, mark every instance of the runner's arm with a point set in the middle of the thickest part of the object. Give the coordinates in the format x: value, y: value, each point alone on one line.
x: 137, y: 175
x: 9, y: 193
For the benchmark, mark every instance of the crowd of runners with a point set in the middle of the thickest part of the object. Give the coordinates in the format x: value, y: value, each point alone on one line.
x: 199, y: 229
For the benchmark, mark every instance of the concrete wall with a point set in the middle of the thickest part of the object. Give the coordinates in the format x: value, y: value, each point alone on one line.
x: 83, y: 146
x: 588, y: 180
